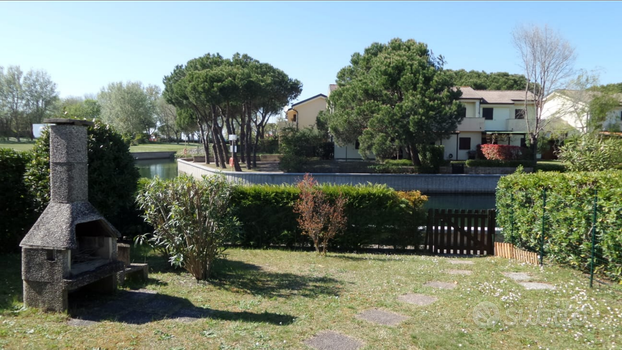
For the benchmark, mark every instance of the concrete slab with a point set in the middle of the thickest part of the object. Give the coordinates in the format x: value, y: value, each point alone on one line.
x: 329, y: 340
x: 460, y: 272
x: 76, y: 322
x: 518, y: 276
x: 441, y: 285
x: 461, y: 262
x: 536, y: 285
x: 417, y: 299
x: 381, y: 317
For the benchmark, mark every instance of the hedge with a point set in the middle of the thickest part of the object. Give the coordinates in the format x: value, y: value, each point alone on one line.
x: 498, y: 163
x: 376, y: 215
x: 568, y: 218
x: 16, y: 206
x: 501, y: 152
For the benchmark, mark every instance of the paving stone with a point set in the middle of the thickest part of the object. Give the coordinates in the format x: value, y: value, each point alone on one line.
x: 536, y: 285
x: 329, y: 340
x: 518, y: 276
x: 441, y: 285
x: 461, y: 262
x: 80, y: 323
x: 417, y: 299
x: 460, y: 272
x: 381, y: 317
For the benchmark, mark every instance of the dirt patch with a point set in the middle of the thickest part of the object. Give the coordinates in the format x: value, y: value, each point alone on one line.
x: 518, y: 276
x: 536, y: 285
x: 461, y: 262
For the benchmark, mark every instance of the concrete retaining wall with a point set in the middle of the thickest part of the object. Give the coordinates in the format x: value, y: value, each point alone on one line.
x: 152, y: 155
x: 426, y: 183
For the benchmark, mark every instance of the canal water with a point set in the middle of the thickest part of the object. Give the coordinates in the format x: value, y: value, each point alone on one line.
x: 163, y: 168
x: 167, y: 169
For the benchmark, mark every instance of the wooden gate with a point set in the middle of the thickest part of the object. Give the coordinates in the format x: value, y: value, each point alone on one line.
x: 462, y: 232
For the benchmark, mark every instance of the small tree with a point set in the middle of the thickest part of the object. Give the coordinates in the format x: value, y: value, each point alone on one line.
x: 191, y: 219
x: 319, y: 218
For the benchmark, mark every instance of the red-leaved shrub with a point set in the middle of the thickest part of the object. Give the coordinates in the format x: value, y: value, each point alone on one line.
x: 501, y: 152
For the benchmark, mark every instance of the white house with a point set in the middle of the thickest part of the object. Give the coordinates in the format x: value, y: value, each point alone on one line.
x: 492, y: 116
x: 572, y: 107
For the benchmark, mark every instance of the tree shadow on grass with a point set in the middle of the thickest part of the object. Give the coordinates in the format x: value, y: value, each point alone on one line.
x: 144, y: 306
x: 10, y: 280
x: 239, y: 277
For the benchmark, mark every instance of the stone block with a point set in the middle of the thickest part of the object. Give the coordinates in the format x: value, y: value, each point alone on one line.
x: 68, y: 144
x: 69, y: 182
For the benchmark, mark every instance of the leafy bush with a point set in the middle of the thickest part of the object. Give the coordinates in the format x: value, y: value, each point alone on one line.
x: 568, y: 220
x: 501, y: 152
x: 268, y: 145
x: 112, y: 176
x: 319, y: 218
x: 589, y: 153
x: 432, y: 156
x: 376, y: 214
x: 297, y: 146
x: 192, y: 220
x: 16, y: 214
x: 498, y: 163
x: 559, y: 167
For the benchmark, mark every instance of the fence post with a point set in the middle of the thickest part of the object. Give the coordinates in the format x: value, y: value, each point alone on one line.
x: 542, y: 238
x: 593, y: 238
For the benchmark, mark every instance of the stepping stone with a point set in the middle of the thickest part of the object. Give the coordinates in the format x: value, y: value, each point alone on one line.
x: 441, y: 285
x: 461, y: 262
x: 459, y: 272
x: 417, y: 299
x: 518, y: 276
x: 381, y: 317
x: 536, y: 285
x: 80, y: 323
x: 329, y: 340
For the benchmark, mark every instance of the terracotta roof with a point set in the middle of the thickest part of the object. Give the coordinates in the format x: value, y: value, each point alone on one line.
x: 493, y: 96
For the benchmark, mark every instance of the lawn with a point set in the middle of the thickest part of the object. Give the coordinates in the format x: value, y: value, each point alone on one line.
x: 275, y: 299
x: 18, y: 146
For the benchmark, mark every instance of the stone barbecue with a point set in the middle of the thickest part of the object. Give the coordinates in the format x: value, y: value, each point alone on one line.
x: 71, y: 245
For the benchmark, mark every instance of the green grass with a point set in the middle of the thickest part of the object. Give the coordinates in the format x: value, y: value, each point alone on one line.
x: 165, y: 147
x: 24, y: 145
x: 254, y: 288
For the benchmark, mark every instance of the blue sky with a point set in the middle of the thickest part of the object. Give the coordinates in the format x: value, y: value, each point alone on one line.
x: 84, y: 46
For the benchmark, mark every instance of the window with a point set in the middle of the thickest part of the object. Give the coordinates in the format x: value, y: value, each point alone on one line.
x: 487, y: 112
x: 523, y: 143
x: 357, y: 144
x: 294, y: 117
x: 519, y: 114
x: 464, y: 143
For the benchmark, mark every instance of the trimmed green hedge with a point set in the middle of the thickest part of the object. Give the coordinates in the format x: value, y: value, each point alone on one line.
x: 16, y: 207
x: 568, y: 218
x: 498, y: 163
x: 376, y: 215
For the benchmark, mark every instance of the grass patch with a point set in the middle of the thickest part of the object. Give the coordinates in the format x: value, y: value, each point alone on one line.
x: 275, y: 299
x: 17, y: 146
x: 166, y: 147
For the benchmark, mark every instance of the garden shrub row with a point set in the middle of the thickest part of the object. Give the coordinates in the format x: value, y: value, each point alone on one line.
x: 498, y: 163
x: 568, y: 216
x: 16, y: 204
x: 502, y: 152
x: 376, y: 215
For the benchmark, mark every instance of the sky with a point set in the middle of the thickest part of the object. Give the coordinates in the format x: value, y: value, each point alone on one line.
x: 84, y: 46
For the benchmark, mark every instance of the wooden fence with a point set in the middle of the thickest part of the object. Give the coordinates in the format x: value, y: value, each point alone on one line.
x: 509, y: 251
x: 462, y: 232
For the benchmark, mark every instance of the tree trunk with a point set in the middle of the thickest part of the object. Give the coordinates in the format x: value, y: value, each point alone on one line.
x: 414, y: 152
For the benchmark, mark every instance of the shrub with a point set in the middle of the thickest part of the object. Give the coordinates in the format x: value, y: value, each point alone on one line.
x: 112, y: 176
x: 297, y: 146
x: 589, y: 153
x: 16, y: 213
x: 550, y: 167
x: 268, y: 145
x: 318, y: 218
x: 501, y: 152
x: 498, y: 163
x: 192, y: 220
x: 432, y: 156
x: 376, y: 215
x: 568, y: 220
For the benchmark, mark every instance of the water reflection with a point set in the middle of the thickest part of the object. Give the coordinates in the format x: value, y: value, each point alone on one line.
x: 163, y: 168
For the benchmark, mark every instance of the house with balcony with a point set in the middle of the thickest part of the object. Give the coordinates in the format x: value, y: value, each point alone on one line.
x: 490, y: 117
